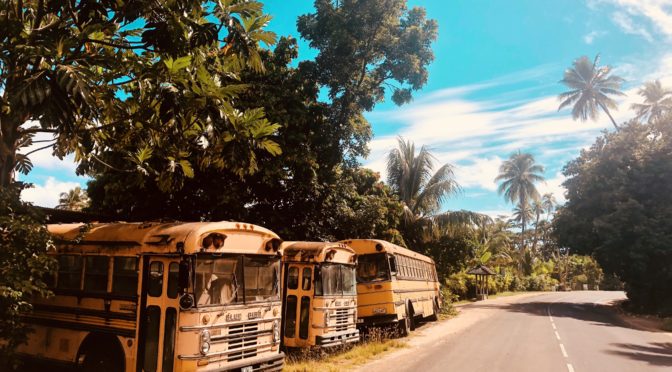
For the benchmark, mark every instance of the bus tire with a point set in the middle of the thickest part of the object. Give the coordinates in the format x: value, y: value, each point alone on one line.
x: 435, y: 315
x: 411, y: 316
x: 100, y: 353
x: 404, y: 324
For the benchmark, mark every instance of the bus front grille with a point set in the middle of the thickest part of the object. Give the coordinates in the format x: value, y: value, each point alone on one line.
x: 342, y: 319
x: 246, y: 337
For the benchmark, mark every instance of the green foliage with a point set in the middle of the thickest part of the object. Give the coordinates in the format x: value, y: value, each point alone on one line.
x: 365, y: 48
x: 109, y: 79
x: 23, y: 264
x: 619, y: 209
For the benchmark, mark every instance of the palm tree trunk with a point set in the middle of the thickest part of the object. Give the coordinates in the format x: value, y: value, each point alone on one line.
x: 610, y: 117
x: 536, y: 231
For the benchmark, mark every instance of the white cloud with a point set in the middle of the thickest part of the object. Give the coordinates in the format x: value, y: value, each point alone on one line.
x: 656, y: 12
x: 480, y: 172
x: 554, y: 186
x: 591, y: 36
x: 46, y: 195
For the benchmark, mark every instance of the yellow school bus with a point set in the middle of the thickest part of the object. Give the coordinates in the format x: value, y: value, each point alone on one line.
x: 161, y: 297
x: 394, y: 285
x: 320, y: 307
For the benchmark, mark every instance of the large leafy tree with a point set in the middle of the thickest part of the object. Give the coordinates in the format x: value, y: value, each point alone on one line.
x: 292, y: 193
x: 657, y: 101
x: 590, y: 89
x: 367, y: 49
x: 518, y: 176
x: 619, y: 198
x: 153, y: 80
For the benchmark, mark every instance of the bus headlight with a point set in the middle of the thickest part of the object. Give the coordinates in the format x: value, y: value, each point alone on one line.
x: 205, y: 341
x: 276, y: 331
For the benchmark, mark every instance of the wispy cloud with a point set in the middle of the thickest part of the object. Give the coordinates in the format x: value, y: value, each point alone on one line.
x: 631, y: 16
x: 592, y: 35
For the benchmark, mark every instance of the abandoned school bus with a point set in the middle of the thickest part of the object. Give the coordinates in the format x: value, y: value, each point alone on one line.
x: 320, y: 307
x: 394, y: 285
x: 161, y: 297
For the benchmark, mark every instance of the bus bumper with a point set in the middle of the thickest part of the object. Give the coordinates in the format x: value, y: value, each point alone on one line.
x: 337, y: 338
x: 271, y: 363
x: 376, y: 320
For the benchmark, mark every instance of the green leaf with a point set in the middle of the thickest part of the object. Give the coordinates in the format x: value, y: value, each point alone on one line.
x: 175, y: 65
x: 186, y: 168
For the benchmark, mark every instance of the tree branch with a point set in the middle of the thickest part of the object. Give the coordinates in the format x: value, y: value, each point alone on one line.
x: 39, y: 149
x: 110, y: 166
x: 120, y: 46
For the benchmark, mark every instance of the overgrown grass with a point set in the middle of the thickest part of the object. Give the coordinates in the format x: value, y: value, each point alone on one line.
x: 376, y: 342
x: 667, y: 324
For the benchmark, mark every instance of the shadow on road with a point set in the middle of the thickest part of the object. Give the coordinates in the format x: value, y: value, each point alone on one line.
x: 658, y: 354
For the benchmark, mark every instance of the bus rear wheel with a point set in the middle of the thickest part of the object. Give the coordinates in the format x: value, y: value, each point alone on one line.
x: 435, y: 315
x: 405, y: 323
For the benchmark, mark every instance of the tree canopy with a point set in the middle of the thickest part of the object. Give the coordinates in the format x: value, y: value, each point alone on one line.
x: 619, y: 198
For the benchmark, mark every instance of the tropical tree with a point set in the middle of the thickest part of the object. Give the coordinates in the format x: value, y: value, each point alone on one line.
x: 548, y: 203
x: 590, y: 89
x: 518, y: 176
x: 73, y: 200
x: 537, y: 210
x: 657, y: 101
x: 422, y: 190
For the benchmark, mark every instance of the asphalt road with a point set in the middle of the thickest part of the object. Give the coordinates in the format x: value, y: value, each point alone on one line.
x: 564, y: 331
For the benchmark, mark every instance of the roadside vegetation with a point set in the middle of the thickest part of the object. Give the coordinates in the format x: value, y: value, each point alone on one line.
x: 375, y: 343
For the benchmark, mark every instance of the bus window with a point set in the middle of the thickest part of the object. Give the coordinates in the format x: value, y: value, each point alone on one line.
x: 393, y: 264
x: 95, y: 273
x: 125, y: 276
x: 372, y: 268
x: 69, y: 272
x: 217, y: 280
x: 336, y: 279
x: 290, y: 316
x: 155, y: 287
x: 173, y: 278
x: 293, y: 278
x: 306, y: 278
x: 261, y: 278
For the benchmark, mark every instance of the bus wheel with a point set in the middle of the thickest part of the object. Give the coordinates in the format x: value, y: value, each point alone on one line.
x: 404, y: 324
x: 435, y: 316
x: 411, y: 317
x: 101, y: 355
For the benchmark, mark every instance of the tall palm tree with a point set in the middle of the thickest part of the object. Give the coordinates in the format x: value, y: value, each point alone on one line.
x: 73, y: 200
x: 537, y: 209
x: 548, y: 202
x: 590, y: 87
x: 518, y: 176
x: 423, y: 190
x: 657, y: 100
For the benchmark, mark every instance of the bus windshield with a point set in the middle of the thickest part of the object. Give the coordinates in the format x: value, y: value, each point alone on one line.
x: 335, y: 279
x: 372, y: 268
x: 235, y: 279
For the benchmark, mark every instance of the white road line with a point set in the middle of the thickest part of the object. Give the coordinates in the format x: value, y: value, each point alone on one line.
x: 553, y: 324
x: 557, y: 335
x: 564, y: 352
x: 570, y: 368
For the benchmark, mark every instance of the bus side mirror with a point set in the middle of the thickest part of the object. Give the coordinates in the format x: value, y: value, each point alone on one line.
x: 393, y: 264
x: 183, y: 277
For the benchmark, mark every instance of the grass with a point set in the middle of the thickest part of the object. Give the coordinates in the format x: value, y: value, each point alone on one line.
x: 344, y: 358
x: 667, y: 324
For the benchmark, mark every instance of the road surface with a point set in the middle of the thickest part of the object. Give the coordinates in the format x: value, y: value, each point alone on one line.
x: 555, y: 332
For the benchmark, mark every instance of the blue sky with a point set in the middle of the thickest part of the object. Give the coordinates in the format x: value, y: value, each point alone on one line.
x: 491, y: 88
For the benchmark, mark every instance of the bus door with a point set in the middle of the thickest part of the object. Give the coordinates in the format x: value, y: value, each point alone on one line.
x: 298, y: 295
x: 158, y: 316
